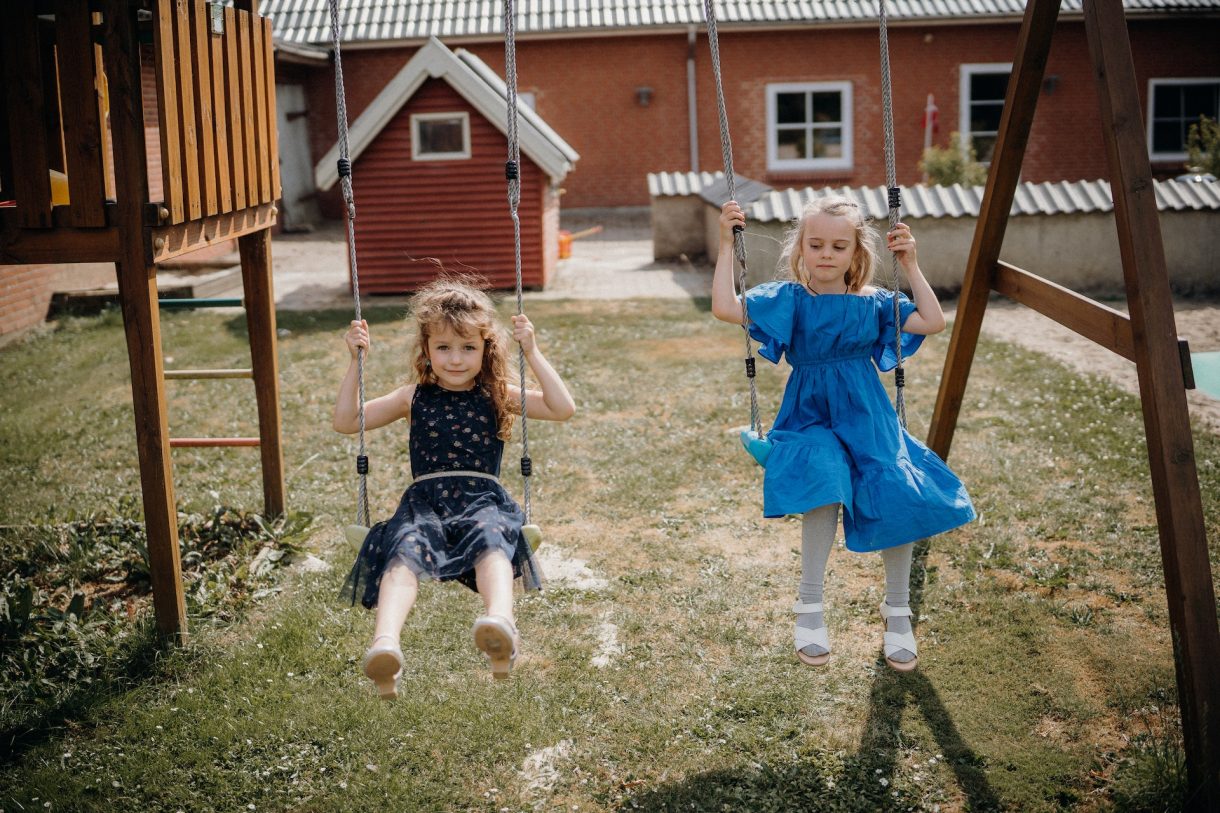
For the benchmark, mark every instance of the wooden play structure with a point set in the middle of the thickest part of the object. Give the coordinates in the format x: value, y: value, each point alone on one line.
x: 73, y: 119
x: 1147, y: 337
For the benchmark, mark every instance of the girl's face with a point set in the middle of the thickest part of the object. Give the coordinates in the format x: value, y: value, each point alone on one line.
x: 456, y: 359
x: 828, y: 245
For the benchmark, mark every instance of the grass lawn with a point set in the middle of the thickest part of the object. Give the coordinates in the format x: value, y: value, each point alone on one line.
x: 1046, y: 678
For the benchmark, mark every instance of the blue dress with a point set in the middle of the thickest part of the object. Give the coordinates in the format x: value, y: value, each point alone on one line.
x: 836, y: 438
x: 443, y: 525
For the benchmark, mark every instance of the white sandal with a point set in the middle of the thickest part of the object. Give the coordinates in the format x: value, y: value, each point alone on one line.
x: 894, y: 641
x: 383, y: 666
x: 497, y: 638
x: 804, y: 636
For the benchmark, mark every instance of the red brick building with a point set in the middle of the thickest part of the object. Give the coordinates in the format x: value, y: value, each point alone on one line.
x: 630, y: 87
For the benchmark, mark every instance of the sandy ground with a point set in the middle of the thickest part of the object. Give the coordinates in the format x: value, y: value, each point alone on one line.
x: 311, y: 272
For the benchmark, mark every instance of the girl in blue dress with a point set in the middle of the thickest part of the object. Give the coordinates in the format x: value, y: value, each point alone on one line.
x: 836, y: 440
x: 455, y: 521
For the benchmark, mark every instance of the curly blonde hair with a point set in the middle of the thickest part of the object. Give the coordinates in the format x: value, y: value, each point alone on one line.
x: 864, y: 258
x: 460, y: 304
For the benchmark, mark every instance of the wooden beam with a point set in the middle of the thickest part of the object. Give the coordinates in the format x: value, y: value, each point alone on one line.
x: 260, y: 322
x: 1033, y: 46
x: 167, y: 110
x: 273, y: 150
x: 1175, y: 480
x: 245, y: 68
x: 141, y: 319
x: 201, y: 53
x: 82, y: 129
x: 234, y: 113
x: 20, y: 246
x: 26, y: 101
x: 170, y: 241
x: 262, y: 141
x: 1096, y: 322
x: 220, y: 115
x: 188, y: 132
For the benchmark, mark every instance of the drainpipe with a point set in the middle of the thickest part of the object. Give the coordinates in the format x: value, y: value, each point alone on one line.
x: 692, y: 112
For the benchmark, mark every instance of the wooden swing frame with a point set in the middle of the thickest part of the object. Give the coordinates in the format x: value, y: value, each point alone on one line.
x: 1148, y: 337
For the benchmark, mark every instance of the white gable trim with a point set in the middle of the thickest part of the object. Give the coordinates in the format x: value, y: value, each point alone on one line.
x: 538, y: 141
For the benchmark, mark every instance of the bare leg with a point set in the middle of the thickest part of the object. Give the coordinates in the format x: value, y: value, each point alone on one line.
x: 399, y: 587
x: 493, y: 574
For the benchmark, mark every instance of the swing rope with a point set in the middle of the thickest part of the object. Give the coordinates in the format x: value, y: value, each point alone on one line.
x: 739, y: 242
x: 345, y: 183
x: 512, y: 173
x: 895, y: 203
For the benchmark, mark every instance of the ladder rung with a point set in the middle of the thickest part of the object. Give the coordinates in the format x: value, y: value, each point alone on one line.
x: 192, y: 374
x: 214, y: 302
x: 178, y: 443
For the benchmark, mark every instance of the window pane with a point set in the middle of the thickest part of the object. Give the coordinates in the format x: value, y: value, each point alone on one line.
x: 828, y: 143
x: 790, y: 108
x: 988, y: 87
x: 984, y: 147
x: 440, y: 135
x: 792, y: 144
x: 828, y: 106
x: 985, y: 117
x: 1168, y: 136
x: 1167, y: 102
x: 1199, y: 100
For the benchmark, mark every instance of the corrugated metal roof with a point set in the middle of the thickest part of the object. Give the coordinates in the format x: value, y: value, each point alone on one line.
x: 1058, y: 198
x: 308, y: 21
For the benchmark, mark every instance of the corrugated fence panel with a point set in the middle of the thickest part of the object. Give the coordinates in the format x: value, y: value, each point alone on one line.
x: 414, y: 217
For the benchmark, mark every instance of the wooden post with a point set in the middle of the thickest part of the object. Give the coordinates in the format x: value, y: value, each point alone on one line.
x: 137, y: 278
x: 1033, y: 46
x: 1175, y: 482
x: 26, y: 102
x: 260, y: 321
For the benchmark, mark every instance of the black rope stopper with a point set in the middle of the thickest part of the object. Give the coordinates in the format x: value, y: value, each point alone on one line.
x: 362, y: 464
x: 527, y: 467
x: 345, y: 168
x: 738, y: 229
x: 900, y: 377
x: 510, y: 170
x: 895, y: 197
x: 750, y: 367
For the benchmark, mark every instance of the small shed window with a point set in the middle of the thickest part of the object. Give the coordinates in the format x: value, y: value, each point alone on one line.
x: 1174, y: 105
x: 440, y: 136
x: 809, y: 126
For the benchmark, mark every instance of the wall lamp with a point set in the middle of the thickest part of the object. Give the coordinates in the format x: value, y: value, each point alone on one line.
x: 643, y: 95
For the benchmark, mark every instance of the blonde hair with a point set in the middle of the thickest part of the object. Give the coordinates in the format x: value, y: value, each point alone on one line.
x: 460, y: 303
x: 864, y: 258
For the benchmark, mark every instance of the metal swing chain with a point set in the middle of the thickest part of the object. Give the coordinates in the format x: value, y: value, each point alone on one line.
x: 345, y: 183
x: 895, y: 203
x: 512, y: 172
x: 739, y: 243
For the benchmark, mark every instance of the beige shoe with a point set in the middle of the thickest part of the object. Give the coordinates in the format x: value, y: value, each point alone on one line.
x: 894, y: 641
x: 804, y: 636
x: 497, y: 638
x: 383, y: 666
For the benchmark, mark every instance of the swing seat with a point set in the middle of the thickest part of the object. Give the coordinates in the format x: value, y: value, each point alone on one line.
x: 759, y: 446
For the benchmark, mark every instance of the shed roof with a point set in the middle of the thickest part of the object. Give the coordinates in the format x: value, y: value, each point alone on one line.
x: 1056, y: 198
x: 476, y: 83
x: 371, y: 21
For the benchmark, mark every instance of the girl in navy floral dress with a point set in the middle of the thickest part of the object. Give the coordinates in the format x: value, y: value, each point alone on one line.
x: 455, y: 522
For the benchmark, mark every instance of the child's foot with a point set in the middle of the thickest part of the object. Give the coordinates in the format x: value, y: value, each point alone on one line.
x: 383, y: 666
x: 497, y: 638
x: 810, y: 636
x: 899, y: 642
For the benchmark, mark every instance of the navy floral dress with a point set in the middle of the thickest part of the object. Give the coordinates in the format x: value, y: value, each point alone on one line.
x: 444, y: 525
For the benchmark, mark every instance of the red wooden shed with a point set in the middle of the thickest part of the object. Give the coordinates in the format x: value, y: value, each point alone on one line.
x: 428, y: 173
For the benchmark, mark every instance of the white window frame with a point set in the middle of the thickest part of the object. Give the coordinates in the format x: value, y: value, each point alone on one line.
x: 1153, y: 84
x: 775, y: 164
x: 967, y: 71
x: 416, y: 118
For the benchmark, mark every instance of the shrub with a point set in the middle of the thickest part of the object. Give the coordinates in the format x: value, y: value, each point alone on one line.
x: 1203, y: 147
x: 956, y: 163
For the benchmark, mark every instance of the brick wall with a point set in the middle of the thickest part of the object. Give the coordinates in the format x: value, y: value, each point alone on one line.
x: 585, y: 89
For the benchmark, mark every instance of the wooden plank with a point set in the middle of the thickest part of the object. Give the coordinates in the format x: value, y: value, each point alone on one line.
x: 188, y: 132
x: 201, y: 54
x: 26, y: 101
x: 1033, y: 46
x: 262, y: 142
x: 255, y: 252
x: 141, y: 320
x: 182, y: 238
x: 21, y: 246
x: 220, y: 115
x: 167, y: 110
x: 1175, y: 481
x: 246, y: 72
x: 103, y: 108
x: 7, y: 192
x: 233, y: 111
x: 273, y: 150
x: 1097, y: 322
x: 82, y: 129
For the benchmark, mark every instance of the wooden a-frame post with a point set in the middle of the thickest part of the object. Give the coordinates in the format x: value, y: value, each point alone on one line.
x: 1148, y: 337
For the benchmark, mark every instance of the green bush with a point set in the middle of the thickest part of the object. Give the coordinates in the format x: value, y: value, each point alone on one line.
x: 1203, y: 147
x: 956, y: 163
